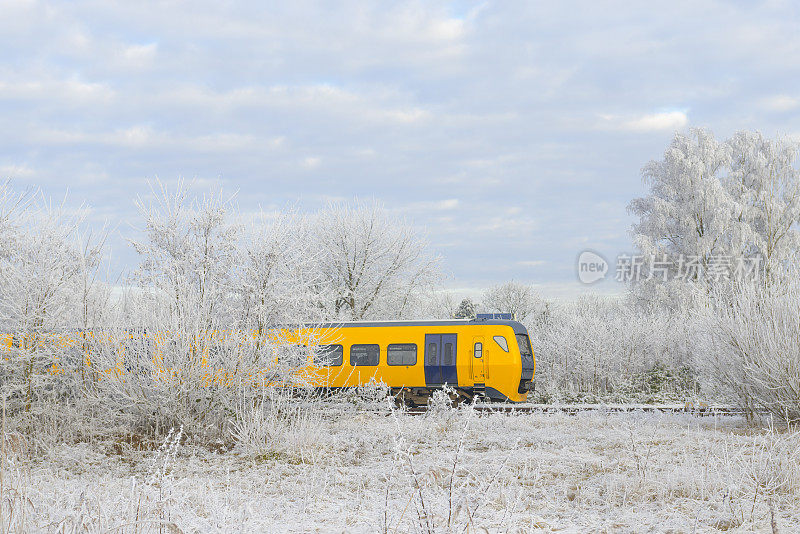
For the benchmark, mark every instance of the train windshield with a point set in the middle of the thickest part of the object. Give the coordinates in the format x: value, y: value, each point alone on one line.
x: 524, y: 345
x: 525, y: 351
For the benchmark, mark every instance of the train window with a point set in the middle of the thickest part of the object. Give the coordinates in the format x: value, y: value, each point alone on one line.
x: 401, y: 354
x: 478, y: 349
x: 447, y: 358
x: 364, y: 355
x: 500, y: 340
x: 329, y: 355
x: 430, y: 355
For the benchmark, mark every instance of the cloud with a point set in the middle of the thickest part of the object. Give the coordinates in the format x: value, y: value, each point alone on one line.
x: 311, y: 162
x: 373, y: 104
x: 531, y: 263
x: 671, y: 120
x: 63, y: 90
x: 432, y: 205
x: 653, y: 122
x: 145, y: 137
x: 140, y: 55
x: 15, y: 171
x: 780, y: 103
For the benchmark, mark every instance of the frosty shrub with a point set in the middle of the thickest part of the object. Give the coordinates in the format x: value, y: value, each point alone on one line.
x: 189, y: 339
x: 596, y: 349
x: 279, y: 424
x: 44, y: 265
x: 751, y: 345
x: 194, y: 349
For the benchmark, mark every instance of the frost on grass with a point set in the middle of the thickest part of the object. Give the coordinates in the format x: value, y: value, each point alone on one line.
x: 450, y: 470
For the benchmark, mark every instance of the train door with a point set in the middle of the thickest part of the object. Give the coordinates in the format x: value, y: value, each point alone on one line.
x: 440, y: 359
x: 478, y: 361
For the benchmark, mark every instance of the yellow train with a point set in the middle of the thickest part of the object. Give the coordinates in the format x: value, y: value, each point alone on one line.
x: 489, y: 358
x: 478, y: 358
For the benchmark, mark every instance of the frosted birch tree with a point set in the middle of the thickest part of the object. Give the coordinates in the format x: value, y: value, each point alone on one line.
x: 734, y: 199
x: 687, y: 220
x: 372, y: 265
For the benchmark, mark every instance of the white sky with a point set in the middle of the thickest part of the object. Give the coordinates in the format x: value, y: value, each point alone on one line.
x: 513, y: 132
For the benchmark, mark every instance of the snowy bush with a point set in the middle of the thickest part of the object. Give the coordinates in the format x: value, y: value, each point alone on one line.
x: 187, y: 342
x: 751, y: 344
x: 596, y: 349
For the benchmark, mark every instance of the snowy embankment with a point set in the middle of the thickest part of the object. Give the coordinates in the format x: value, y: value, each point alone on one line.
x: 399, y: 473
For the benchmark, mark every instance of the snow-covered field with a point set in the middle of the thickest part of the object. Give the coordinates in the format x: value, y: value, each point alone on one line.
x: 391, y: 472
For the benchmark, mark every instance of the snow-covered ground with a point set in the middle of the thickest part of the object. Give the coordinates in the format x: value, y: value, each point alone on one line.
x: 390, y: 472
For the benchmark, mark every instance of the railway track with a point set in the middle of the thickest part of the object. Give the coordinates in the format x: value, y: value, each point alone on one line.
x: 572, y: 409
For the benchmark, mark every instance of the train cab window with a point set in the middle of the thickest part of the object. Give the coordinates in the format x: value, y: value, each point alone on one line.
x: 447, y: 354
x: 401, y: 354
x: 500, y: 340
x: 329, y: 356
x: 478, y: 349
x: 364, y: 355
x: 524, y: 345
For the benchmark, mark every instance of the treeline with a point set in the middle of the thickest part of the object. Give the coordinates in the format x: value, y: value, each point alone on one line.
x: 204, y: 267
x: 200, y: 258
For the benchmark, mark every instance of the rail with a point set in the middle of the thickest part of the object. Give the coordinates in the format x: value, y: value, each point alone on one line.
x: 572, y: 409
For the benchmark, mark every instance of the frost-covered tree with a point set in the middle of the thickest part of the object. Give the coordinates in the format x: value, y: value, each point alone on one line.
x: 13, y: 208
x: 608, y: 347
x: 513, y: 297
x: 278, y: 280
x: 40, y: 277
x: 688, y: 211
x: 188, y: 254
x: 372, y: 265
x: 40, y: 269
x: 714, y: 206
x: 438, y: 304
x: 465, y: 310
x: 765, y: 185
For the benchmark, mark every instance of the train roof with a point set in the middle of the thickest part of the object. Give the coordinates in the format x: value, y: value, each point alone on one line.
x: 518, y: 327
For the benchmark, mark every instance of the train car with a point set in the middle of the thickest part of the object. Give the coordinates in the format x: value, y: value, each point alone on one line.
x: 485, y: 358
